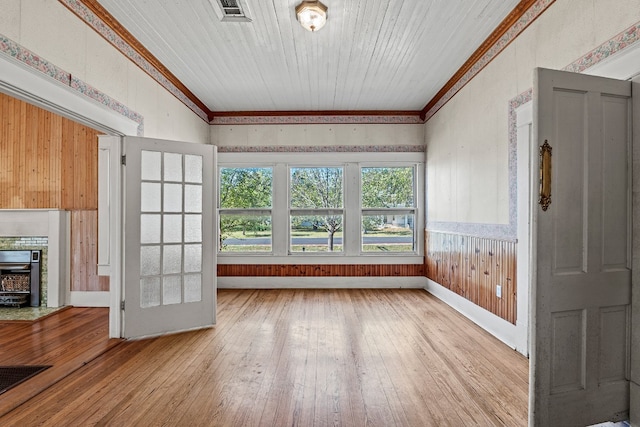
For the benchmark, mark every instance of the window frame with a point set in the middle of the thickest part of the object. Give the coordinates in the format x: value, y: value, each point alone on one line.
x: 352, y: 163
x: 413, y: 210
x: 315, y: 211
x: 242, y: 211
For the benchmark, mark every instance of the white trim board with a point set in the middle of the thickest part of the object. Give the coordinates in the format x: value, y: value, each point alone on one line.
x: 89, y: 298
x: 506, y: 332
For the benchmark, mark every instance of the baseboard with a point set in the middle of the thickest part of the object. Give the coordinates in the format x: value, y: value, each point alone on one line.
x: 496, y: 326
x: 235, y: 282
x: 89, y: 299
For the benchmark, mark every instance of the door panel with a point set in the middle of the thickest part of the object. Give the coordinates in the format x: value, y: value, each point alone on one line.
x: 582, y: 289
x: 169, y: 254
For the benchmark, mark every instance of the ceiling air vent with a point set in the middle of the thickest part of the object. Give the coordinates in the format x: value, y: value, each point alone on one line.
x: 231, y: 10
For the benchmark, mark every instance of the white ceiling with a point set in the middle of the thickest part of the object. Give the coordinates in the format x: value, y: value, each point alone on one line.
x: 371, y: 54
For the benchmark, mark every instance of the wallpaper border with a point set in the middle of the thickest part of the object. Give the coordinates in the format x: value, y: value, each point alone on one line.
x: 16, y: 52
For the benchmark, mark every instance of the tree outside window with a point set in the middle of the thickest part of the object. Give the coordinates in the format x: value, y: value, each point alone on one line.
x: 316, y: 208
x: 245, y: 209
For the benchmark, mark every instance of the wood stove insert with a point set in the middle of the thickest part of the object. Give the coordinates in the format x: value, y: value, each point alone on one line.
x: 20, y: 278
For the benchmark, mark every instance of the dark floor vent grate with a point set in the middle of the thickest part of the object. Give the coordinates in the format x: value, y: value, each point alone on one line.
x: 11, y: 376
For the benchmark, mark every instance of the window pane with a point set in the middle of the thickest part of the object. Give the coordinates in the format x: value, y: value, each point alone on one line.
x: 316, y: 187
x: 245, y: 187
x: 149, y: 292
x: 150, y: 163
x: 193, y: 198
x: 173, y: 198
x: 193, y: 228
x: 150, y: 228
x: 171, y: 290
x: 192, y: 288
x: 172, y: 167
x: 316, y: 233
x: 172, y: 229
x: 192, y: 258
x: 149, y: 261
x: 245, y: 233
x: 193, y: 168
x: 150, y: 196
x: 387, y: 187
x: 172, y: 259
x: 388, y: 233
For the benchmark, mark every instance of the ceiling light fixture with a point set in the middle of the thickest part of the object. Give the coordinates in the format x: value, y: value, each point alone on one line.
x: 312, y: 15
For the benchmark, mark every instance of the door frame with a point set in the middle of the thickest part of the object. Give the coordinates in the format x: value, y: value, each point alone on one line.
x: 634, y: 410
x: 110, y: 225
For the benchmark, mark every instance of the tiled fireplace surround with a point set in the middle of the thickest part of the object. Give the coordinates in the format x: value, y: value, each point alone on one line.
x: 46, y: 230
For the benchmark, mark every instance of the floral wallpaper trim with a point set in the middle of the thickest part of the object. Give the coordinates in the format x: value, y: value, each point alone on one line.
x: 529, y: 16
x: 625, y: 39
x: 16, y: 52
x: 326, y: 149
x: 77, y: 7
x: 330, y: 119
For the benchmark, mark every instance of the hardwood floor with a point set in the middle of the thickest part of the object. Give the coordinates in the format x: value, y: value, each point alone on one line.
x: 67, y: 340
x: 298, y: 357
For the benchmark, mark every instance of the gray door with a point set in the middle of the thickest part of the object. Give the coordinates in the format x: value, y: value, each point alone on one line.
x: 581, y: 294
x: 169, y: 258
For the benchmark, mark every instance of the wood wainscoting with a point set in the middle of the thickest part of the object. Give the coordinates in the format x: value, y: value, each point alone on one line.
x: 84, y: 253
x: 321, y: 270
x: 473, y: 267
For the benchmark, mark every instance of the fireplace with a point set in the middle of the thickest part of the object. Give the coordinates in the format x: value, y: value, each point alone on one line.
x: 20, y: 278
x: 46, y: 230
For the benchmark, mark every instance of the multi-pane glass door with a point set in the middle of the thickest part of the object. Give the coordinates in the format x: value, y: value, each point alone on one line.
x: 169, y: 264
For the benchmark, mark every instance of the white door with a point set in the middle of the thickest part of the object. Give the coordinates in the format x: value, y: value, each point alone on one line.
x: 169, y: 257
x: 582, y: 290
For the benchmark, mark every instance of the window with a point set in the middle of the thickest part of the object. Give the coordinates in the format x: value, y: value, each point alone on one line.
x: 245, y: 209
x: 274, y: 207
x: 316, y: 209
x: 388, y: 209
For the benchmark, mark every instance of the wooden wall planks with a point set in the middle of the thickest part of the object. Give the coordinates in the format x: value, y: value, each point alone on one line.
x: 84, y: 253
x: 47, y: 161
x: 321, y: 270
x: 473, y: 267
x: 50, y: 162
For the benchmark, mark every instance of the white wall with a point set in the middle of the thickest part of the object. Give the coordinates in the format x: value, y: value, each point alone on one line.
x: 467, y: 140
x: 50, y: 30
x: 317, y: 135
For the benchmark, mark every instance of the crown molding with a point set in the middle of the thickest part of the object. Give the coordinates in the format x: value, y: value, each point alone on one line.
x: 111, y: 30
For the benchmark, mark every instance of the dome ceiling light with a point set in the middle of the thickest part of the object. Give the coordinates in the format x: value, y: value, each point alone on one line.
x: 312, y: 15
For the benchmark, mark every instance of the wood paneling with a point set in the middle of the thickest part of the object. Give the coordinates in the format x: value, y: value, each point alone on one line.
x: 50, y: 162
x: 321, y: 270
x: 472, y: 267
x: 296, y: 357
x: 84, y: 253
x: 47, y: 161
